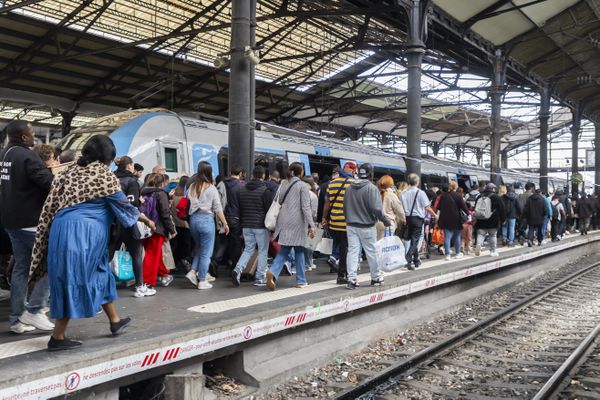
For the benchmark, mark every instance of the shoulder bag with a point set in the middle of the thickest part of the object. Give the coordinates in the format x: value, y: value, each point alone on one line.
x: 331, y: 203
x: 273, y: 213
x: 404, y: 230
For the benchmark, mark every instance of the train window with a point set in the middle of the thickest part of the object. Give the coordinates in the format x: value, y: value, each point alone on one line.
x: 170, y: 159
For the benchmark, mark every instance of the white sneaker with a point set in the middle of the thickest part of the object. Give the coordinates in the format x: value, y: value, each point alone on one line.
x: 460, y: 255
x: 39, y: 320
x: 448, y: 257
x: 203, y: 285
x: 20, y: 328
x: 192, y: 277
x: 494, y: 254
x: 210, y: 278
x: 144, y: 291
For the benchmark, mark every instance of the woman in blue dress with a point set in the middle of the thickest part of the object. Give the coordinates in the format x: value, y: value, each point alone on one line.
x: 72, y: 240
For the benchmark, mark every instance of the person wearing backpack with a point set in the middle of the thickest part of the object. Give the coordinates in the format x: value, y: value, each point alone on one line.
x: 513, y: 208
x: 558, y: 214
x: 155, y: 206
x: 535, y: 211
x: 489, y: 213
x: 131, y: 188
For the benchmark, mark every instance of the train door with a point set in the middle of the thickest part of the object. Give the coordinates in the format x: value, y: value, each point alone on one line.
x: 171, y: 155
x: 464, y: 181
x: 322, y: 165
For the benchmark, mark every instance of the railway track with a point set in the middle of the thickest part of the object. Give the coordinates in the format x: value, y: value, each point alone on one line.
x: 530, y: 349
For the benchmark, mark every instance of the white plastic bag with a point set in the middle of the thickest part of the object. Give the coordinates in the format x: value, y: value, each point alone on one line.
x: 325, y: 245
x: 390, y: 252
x: 314, y: 242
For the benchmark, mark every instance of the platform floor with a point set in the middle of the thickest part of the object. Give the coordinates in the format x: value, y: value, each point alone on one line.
x: 181, y: 321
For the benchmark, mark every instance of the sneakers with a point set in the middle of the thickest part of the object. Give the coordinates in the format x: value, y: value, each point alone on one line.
x: 287, y: 267
x: 271, y: 281
x: 311, y: 267
x: 459, y: 256
x: 478, y: 250
x: 494, y: 254
x: 333, y: 264
x: 210, y: 278
x: 39, y: 321
x: 377, y: 282
x: 448, y: 257
x: 235, y: 277
x: 301, y: 285
x: 165, y: 280
x: 117, y: 328
x: 203, y: 285
x: 192, y: 277
x: 20, y: 328
x: 352, y: 284
x: 144, y: 291
x: 64, y: 344
x: 260, y: 282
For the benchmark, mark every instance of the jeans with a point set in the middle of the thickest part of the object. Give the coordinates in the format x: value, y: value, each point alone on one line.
x: 535, y: 229
x: 365, y: 237
x: 308, y: 257
x: 252, y: 238
x: 282, y: 257
x: 134, y: 248
x: 492, y: 232
x: 415, y: 237
x: 22, y: 244
x: 508, y: 229
x: 202, y: 227
x: 450, y: 234
x: 342, y: 239
x: 545, y: 227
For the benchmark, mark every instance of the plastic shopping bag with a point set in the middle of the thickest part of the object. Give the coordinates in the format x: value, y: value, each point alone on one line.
x: 122, y: 266
x: 325, y: 245
x: 437, y: 236
x: 314, y: 242
x: 390, y: 252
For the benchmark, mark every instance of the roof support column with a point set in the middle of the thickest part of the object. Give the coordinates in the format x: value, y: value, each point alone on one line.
x: 417, y: 32
x: 546, y: 96
x: 597, y: 158
x: 252, y: 79
x: 504, y: 159
x: 241, y: 149
x: 479, y: 156
x: 575, y: 130
x: 496, y: 93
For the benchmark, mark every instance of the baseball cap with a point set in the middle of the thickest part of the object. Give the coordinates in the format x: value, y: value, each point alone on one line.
x: 490, y: 186
x: 350, y: 164
x: 365, y: 171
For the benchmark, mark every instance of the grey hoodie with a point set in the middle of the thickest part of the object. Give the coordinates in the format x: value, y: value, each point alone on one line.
x: 363, y: 206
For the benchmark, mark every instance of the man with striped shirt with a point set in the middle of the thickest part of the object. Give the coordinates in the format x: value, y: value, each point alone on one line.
x: 334, y: 217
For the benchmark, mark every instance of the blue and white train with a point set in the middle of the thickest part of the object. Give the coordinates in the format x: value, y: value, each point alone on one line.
x: 178, y: 142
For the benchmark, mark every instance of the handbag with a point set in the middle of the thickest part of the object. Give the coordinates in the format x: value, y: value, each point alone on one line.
x: 390, y: 252
x: 438, y: 236
x: 464, y: 217
x: 325, y: 245
x: 183, y: 208
x: 404, y: 230
x: 122, y: 266
x: 141, y: 231
x: 273, y: 213
x: 314, y: 242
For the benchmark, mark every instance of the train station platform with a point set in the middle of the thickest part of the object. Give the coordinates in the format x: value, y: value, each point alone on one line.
x: 181, y: 324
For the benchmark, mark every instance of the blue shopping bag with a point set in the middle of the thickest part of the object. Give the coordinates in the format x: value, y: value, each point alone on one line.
x: 122, y: 265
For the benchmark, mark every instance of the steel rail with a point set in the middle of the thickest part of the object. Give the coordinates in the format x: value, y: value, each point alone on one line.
x: 550, y: 389
x: 411, y: 363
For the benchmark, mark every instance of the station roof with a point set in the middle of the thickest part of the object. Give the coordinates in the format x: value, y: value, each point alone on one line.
x: 331, y: 65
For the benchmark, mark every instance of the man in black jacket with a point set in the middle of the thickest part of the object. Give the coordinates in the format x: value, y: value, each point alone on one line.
x: 489, y: 226
x: 534, y: 212
x: 24, y: 185
x: 255, y: 201
x: 585, y: 211
x: 229, y: 190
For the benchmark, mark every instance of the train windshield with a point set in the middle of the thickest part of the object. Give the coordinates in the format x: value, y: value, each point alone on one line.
x: 75, y: 141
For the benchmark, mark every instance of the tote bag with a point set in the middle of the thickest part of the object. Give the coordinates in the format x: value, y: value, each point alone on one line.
x: 390, y: 252
x: 122, y: 266
x: 325, y: 245
x: 314, y: 242
x: 273, y: 213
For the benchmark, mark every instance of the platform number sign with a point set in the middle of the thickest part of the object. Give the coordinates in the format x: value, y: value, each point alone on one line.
x: 72, y: 381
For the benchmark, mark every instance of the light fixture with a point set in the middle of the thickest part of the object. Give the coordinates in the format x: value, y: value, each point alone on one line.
x: 251, y: 55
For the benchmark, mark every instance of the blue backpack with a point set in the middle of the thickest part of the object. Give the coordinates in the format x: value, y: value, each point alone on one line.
x: 150, y: 207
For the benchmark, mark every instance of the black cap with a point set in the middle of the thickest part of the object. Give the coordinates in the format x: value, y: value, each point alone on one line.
x: 365, y: 171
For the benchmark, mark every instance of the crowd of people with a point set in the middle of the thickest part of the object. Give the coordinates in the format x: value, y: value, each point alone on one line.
x: 66, y: 217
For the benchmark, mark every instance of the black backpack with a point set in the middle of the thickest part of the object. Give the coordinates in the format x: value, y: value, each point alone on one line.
x: 554, y: 211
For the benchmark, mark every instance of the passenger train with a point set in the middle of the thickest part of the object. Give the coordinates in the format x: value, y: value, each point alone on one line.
x: 179, y: 142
